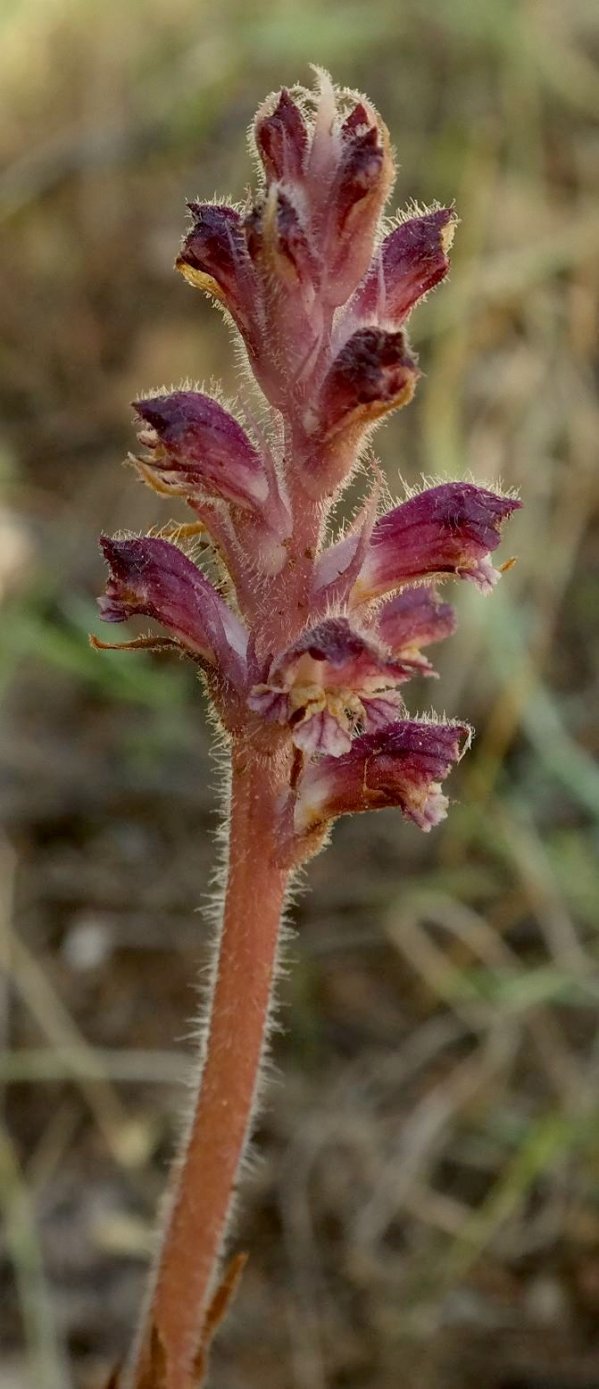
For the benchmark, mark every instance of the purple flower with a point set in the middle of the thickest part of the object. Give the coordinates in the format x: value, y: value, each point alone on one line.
x: 214, y: 258
x: 153, y: 578
x: 198, y: 448
x: 401, y: 765
x: 319, y: 299
x: 329, y: 682
x: 373, y: 374
x: 411, y: 261
x: 451, y: 529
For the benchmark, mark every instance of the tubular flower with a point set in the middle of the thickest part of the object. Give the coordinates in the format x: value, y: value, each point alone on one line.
x: 214, y: 258
x: 306, y: 640
x: 152, y: 578
x: 197, y: 447
x: 373, y: 374
x: 403, y: 764
x: 411, y: 261
x: 197, y: 450
x: 451, y: 529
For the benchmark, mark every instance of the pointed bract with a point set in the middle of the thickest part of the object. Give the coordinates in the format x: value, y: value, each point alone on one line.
x: 337, y: 568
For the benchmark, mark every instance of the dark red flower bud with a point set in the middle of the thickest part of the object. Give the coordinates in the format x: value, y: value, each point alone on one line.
x: 412, y: 260
x: 451, y: 529
x: 350, y: 209
x: 401, y: 765
x: 199, y: 449
x: 152, y: 577
x: 373, y: 374
x: 413, y: 619
x: 360, y: 171
x: 281, y: 139
x: 214, y: 258
x: 285, y: 259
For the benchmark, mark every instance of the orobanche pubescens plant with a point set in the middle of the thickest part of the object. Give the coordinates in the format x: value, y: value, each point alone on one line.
x: 305, y: 639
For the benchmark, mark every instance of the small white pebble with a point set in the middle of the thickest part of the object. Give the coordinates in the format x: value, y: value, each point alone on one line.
x: 546, y: 1300
x: 87, y: 944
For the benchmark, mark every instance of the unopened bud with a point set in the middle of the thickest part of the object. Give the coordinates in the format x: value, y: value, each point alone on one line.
x: 281, y: 139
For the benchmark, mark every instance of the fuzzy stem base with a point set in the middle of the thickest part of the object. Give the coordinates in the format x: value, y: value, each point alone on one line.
x: 169, y: 1352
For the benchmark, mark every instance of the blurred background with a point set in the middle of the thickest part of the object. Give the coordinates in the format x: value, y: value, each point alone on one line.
x: 425, y: 1209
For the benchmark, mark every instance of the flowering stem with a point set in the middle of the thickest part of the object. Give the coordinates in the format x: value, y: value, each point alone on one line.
x: 304, y: 640
x: 206, y: 1176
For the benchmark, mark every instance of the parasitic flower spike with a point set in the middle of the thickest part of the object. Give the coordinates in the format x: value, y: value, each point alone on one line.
x: 306, y: 641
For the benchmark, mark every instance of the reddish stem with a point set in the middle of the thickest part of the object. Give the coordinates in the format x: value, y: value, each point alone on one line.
x: 205, y: 1177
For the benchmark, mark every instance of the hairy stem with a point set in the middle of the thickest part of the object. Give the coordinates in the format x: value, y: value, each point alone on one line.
x: 205, y: 1177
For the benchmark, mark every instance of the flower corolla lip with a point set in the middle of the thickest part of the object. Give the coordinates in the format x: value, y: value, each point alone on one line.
x: 332, y: 679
